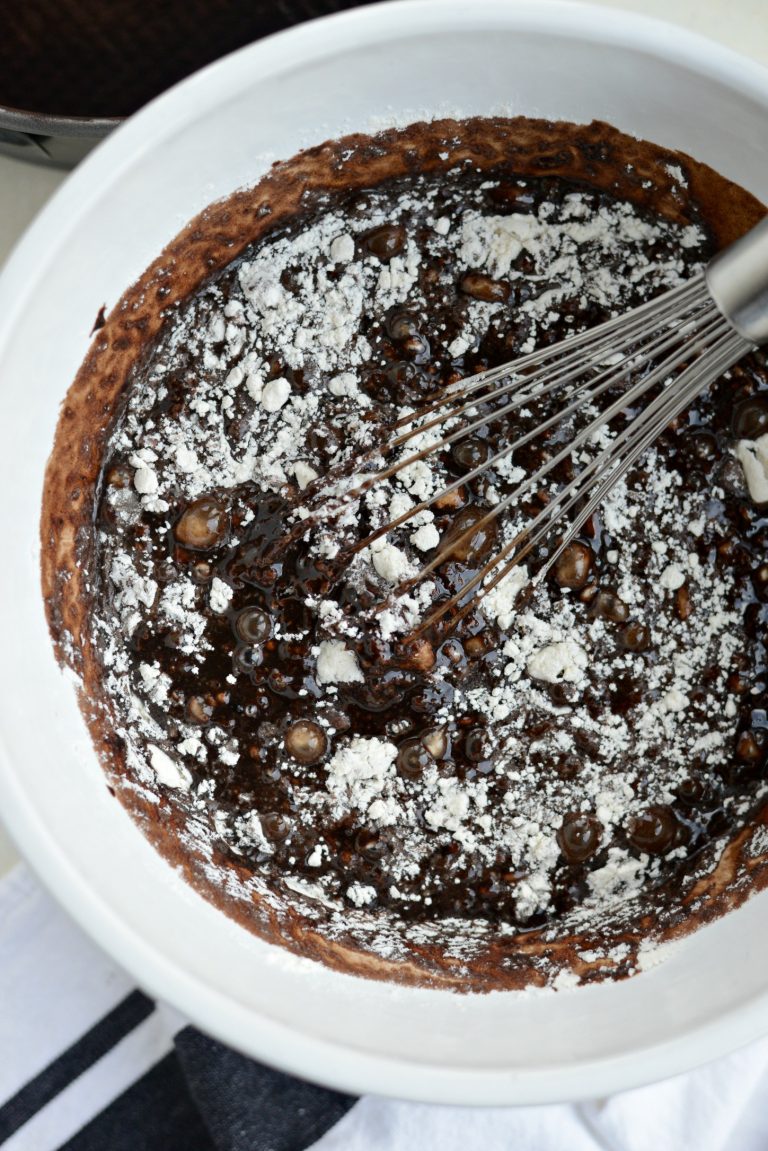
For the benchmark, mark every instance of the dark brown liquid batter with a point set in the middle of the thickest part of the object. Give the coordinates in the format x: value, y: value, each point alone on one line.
x: 254, y: 680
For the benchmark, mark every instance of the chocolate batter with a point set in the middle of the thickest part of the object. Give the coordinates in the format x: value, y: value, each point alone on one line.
x: 551, y: 782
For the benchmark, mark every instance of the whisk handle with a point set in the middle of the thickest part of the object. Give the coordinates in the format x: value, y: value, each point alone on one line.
x: 737, y: 279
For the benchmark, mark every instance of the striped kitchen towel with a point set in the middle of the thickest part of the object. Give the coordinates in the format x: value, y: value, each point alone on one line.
x: 89, y: 1063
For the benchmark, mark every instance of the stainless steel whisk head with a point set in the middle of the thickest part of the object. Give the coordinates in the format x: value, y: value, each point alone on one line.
x: 649, y: 365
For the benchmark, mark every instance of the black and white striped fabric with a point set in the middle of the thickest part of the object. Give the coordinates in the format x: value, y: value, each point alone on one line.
x: 89, y: 1063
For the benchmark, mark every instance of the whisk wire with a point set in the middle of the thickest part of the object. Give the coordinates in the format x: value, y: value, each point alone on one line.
x: 614, y: 460
x: 680, y: 400
x: 646, y: 366
x: 566, y: 369
x: 600, y: 383
x: 673, y: 305
x: 627, y: 399
x: 566, y: 361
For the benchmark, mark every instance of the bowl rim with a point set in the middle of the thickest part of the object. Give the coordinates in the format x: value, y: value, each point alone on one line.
x: 280, y: 1045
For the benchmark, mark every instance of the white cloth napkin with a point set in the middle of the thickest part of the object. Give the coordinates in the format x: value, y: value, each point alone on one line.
x: 55, y: 985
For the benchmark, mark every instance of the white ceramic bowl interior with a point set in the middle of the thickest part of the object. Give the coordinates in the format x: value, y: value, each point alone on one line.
x: 216, y: 132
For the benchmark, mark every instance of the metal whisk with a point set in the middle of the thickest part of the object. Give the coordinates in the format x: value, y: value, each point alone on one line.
x: 674, y: 346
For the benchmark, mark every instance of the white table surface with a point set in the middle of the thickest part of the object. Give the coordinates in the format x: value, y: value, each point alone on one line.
x: 741, y: 24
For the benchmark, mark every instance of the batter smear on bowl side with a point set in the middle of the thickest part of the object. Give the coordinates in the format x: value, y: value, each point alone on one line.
x: 534, y: 795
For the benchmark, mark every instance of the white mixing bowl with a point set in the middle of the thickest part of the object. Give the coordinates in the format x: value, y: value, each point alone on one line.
x: 215, y: 132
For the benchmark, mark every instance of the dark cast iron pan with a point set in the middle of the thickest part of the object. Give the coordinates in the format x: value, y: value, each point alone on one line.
x: 71, y: 70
